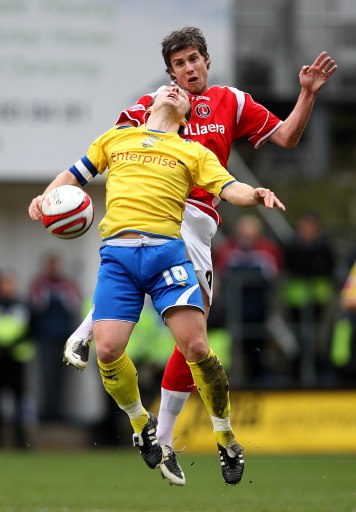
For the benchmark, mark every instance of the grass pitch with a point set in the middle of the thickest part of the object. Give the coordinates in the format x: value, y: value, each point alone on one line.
x: 118, y: 481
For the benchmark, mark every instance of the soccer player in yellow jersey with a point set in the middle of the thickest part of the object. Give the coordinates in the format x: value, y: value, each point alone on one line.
x: 151, y: 171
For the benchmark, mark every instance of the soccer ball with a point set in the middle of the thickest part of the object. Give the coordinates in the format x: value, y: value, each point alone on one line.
x: 67, y: 212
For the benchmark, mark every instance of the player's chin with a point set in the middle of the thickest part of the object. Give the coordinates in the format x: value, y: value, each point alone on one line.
x: 194, y: 87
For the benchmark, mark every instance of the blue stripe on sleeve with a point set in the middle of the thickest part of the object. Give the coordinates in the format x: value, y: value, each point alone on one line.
x: 228, y: 183
x: 83, y: 170
x: 79, y: 177
x: 89, y: 166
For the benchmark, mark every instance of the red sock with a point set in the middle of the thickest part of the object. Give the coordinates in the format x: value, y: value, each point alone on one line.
x: 177, y: 375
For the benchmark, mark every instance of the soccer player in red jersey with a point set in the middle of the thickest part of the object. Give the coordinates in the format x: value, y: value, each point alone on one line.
x: 220, y: 115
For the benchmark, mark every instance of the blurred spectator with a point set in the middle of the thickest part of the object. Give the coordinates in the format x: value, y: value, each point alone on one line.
x: 220, y: 338
x: 343, y: 343
x: 248, y: 236
x: 16, y: 350
x: 55, y: 302
x: 248, y: 264
x: 308, y: 290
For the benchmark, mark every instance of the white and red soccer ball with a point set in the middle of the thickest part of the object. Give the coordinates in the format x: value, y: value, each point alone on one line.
x: 67, y: 212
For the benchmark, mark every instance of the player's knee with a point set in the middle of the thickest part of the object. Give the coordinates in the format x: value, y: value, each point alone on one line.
x: 195, y: 349
x: 107, y: 352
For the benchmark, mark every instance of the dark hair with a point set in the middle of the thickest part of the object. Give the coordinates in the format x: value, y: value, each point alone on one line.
x: 187, y: 37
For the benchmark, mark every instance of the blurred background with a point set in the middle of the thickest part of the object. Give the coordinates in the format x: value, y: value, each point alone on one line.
x: 68, y: 67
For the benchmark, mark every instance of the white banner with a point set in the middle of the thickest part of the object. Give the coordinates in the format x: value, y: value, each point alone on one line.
x: 67, y: 68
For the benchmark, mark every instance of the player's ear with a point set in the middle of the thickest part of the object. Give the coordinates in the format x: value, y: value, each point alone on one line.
x: 182, y: 126
x: 207, y: 60
x: 149, y: 108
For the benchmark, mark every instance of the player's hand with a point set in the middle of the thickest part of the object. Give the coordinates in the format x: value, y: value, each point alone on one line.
x: 266, y: 197
x: 314, y: 77
x: 35, y: 208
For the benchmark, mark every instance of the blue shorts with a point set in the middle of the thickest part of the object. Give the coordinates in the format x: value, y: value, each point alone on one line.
x: 126, y: 274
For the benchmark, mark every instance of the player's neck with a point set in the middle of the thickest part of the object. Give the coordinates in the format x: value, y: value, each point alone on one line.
x: 160, y: 122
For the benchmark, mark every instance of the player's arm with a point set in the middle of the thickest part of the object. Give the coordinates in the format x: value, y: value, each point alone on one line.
x: 312, y: 79
x: 64, y: 178
x: 241, y: 194
x: 213, y: 177
x: 79, y: 174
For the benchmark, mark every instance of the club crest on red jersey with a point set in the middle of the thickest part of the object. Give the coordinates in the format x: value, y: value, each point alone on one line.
x: 203, y: 110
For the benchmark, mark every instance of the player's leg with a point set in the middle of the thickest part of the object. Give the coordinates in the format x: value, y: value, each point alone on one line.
x: 118, y: 304
x: 176, y: 392
x: 119, y: 378
x: 76, y: 350
x: 117, y: 371
x: 182, y: 307
x: 177, y: 384
x: 197, y: 231
x: 189, y: 330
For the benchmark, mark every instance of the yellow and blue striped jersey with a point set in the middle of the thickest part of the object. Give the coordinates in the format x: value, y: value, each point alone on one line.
x: 149, y: 176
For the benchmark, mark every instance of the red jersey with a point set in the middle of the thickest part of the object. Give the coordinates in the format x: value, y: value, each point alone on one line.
x: 263, y: 253
x: 219, y: 116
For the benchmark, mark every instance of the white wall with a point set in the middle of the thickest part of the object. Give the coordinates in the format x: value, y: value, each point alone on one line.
x: 68, y: 67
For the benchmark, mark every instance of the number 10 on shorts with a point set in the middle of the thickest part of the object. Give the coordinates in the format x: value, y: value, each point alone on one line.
x: 179, y: 273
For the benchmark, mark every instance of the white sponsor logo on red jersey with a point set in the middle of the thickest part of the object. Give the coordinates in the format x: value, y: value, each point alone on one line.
x: 198, y: 98
x: 197, y: 129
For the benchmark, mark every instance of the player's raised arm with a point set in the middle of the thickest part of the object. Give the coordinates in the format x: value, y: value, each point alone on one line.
x: 241, y: 194
x: 312, y: 78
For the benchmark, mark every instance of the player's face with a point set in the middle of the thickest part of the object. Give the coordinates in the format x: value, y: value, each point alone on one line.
x: 177, y: 98
x: 190, y: 69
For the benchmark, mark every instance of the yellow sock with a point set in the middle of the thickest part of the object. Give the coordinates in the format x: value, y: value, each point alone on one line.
x: 211, y: 381
x: 120, y: 381
x: 212, y: 384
